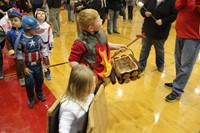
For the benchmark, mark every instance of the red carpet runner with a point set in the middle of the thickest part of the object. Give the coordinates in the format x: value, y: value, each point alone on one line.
x: 15, y: 116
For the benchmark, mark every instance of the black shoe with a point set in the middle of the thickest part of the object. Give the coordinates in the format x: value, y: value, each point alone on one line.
x: 109, y: 32
x: 30, y: 102
x: 161, y: 69
x: 172, y: 97
x: 41, y: 97
x: 170, y: 85
x: 116, y: 32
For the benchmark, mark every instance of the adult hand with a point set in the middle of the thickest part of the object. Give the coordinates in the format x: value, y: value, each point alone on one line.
x: 159, y: 22
x: 148, y: 14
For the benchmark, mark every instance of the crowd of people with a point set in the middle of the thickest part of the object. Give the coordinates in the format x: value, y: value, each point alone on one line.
x: 31, y: 36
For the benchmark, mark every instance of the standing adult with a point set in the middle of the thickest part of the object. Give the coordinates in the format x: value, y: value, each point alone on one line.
x: 54, y: 16
x: 114, y: 7
x: 157, y: 23
x: 98, y: 5
x: 187, y: 45
x: 37, y: 4
x: 130, y: 4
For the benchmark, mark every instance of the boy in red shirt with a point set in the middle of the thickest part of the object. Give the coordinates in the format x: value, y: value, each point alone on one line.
x: 92, y: 47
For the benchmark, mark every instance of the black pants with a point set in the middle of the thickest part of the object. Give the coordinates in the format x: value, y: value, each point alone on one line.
x: 35, y: 6
x: 130, y: 12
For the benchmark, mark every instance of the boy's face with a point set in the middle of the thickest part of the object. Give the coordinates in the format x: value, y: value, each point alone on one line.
x: 40, y: 16
x: 16, y: 22
x: 32, y: 32
x: 98, y: 24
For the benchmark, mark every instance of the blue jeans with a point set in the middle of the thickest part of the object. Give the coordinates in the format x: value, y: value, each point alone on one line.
x: 113, y: 20
x: 70, y: 10
x: 35, y: 80
x: 186, y: 52
x: 159, y: 50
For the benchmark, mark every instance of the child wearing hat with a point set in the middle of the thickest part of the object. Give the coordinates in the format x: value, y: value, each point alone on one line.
x: 45, y: 33
x: 29, y: 51
x: 16, y: 21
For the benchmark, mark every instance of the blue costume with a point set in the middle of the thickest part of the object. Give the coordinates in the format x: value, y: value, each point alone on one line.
x: 13, y: 33
x: 29, y: 50
x: 11, y: 37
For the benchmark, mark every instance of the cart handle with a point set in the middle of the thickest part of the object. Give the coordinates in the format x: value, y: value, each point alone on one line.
x: 137, y: 37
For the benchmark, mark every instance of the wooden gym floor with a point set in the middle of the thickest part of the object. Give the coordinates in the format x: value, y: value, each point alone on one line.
x: 139, y: 106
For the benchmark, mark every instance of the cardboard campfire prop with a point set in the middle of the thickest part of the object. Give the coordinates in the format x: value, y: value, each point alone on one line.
x: 126, y: 67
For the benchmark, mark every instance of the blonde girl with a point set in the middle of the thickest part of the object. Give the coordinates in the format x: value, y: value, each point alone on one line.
x: 79, y: 95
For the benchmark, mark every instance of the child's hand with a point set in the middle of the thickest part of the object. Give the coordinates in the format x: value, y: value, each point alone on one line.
x: 50, y: 47
x: 2, y: 12
x: 122, y: 47
x: 79, y: 8
x: 47, y: 66
x: 30, y: 6
x: 27, y: 71
x: 13, y: 55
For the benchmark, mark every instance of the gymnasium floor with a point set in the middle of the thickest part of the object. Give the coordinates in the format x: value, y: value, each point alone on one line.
x: 136, y: 107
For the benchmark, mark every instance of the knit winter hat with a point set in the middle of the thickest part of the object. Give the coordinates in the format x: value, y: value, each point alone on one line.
x: 14, y: 13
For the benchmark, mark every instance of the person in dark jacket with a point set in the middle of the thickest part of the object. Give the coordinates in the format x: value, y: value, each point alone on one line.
x: 4, y: 7
x: 114, y: 7
x: 54, y: 16
x: 158, y: 17
x: 37, y: 4
x: 98, y: 5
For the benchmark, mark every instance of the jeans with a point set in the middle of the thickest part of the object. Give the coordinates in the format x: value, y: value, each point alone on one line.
x: 159, y: 50
x: 54, y: 18
x: 70, y: 10
x: 186, y: 52
x: 35, y: 80
x: 130, y: 12
x: 113, y: 20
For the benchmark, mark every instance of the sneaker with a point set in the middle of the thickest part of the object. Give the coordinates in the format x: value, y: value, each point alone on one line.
x: 170, y: 85
x: 21, y: 82
x: 172, y: 97
x: 41, y: 97
x: 30, y: 102
x: 109, y: 32
x: 47, y: 75
x: 160, y: 70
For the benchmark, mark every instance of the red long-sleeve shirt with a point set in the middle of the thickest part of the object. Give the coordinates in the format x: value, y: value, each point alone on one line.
x: 188, y: 19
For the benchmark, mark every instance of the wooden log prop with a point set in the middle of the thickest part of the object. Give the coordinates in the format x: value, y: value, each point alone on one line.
x: 125, y: 66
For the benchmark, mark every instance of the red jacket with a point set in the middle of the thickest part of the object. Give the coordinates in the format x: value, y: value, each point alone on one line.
x: 188, y: 19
